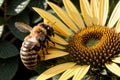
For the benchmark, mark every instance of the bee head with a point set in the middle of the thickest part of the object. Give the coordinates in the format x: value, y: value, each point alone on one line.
x: 49, y: 29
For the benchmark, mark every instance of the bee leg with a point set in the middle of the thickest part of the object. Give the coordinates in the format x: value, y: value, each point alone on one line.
x: 46, y: 47
x: 38, y: 59
x: 42, y: 47
x: 46, y: 50
x: 47, y: 42
x: 53, y: 34
x: 43, y: 51
x: 50, y: 40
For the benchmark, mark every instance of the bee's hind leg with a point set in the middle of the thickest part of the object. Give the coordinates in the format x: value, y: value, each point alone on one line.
x: 42, y: 46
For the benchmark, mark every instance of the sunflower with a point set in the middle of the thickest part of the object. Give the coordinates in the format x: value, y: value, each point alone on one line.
x: 90, y: 39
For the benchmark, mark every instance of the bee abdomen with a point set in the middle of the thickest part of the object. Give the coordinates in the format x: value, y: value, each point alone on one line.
x: 29, y: 58
x: 28, y: 45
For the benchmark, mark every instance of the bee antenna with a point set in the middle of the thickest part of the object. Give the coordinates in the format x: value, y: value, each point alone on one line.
x: 52, y: 23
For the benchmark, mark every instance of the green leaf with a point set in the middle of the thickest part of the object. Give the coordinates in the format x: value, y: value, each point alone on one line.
x: 1, y: 21
x: 40, y: 68
x: 7, y: 49
x: 36, y: 18
x: 1, y: 26
x: 76, y: 3
x: 22, y: 17
x: 1, y: 2
x: 1, y: 30
x: 56, y: 77
x: 38, y: 3
x: 8, y: 68
x: 17, y: 6
x: 33, y: 78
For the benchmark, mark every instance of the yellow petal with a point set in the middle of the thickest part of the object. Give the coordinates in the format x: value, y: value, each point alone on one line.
x: 58, y: 26
x: 62, y: 14
x: 69, y: 73
x: 59, y: 40
x: 114, y: 68
x: 80, y: 72
x: 73, y: 13
x: 86, y: 12
x: 116, y: 60
x: 55, y: 45
x: 54, y: 53
x: 103, y: 11
x: 95, y: 11
x: 117, y: 27
x: 115, y: 16
x: 55, y: 70
x: 58, y: 46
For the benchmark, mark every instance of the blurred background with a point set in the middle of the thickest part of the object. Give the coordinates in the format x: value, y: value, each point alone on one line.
x: 11, y: 11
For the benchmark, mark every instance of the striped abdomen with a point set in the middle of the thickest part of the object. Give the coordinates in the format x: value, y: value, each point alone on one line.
x: 29, y: 55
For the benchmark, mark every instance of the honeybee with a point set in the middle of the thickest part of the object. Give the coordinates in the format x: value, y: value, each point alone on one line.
x: 36, y: 40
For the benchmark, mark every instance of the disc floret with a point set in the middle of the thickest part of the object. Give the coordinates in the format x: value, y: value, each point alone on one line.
x: 105, y: 44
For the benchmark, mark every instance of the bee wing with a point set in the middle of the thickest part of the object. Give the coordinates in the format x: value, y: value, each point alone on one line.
x: 23, y: 27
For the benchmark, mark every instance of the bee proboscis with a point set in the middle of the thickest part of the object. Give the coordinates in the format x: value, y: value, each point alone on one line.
x: 37, y: 39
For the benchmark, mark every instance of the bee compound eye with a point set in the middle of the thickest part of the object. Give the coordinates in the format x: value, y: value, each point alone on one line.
x: 48, y: 28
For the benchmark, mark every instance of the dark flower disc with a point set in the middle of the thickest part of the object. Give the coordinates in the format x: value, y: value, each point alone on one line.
x: 105, y: 45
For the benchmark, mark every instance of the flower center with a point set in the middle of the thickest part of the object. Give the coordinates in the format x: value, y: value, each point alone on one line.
x: 94, y: 46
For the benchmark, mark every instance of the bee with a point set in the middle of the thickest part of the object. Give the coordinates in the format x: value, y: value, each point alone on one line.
x: 37, y: 39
